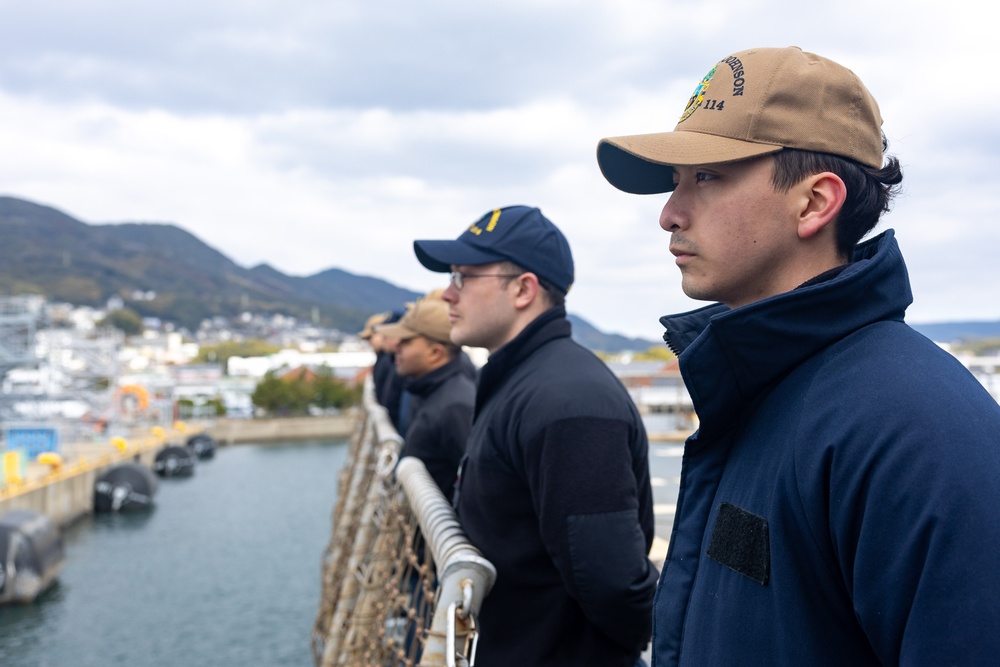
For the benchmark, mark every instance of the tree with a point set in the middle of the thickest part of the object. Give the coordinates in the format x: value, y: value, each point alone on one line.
x: 220, y: 353
x: 655, y: 353
x: 279, y: 396
x: 331, y: 392
x: 296, y: 392
x: 979, y: 346
x: 125, y: 320
x: 188, y: 408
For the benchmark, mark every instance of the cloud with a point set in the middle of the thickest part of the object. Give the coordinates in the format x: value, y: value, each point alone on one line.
x: 325, y: 134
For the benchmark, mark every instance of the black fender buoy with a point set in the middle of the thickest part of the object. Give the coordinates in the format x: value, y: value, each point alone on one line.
x: 174, y: 461
x: 31, y: 555
x: 125, y: 487
x: 203, y: 445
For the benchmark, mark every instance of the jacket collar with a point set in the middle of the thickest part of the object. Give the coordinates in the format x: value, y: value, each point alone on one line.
x: 548, y: 326
x: 427, y: 383
x: 728, y: 356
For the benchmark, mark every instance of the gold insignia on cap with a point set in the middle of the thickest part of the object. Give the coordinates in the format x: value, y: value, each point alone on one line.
x: 698, y: 96
x: 493, y: 220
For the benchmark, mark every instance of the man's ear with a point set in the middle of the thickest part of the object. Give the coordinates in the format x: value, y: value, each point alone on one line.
x: 823, y: 195
x: 528, y: 290
x: 438, y: 350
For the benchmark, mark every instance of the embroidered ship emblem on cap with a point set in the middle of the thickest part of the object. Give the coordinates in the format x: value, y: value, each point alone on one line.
x: 698, y: 96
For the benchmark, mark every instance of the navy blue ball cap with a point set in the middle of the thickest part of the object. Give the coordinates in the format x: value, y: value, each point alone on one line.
x: 518, y: 234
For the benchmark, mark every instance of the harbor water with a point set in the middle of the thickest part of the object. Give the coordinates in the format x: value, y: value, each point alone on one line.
x: 225, y: 570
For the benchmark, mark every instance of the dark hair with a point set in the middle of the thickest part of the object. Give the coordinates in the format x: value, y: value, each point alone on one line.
x: 869, y: 190
x: 450, y: 349
x: 552, y: 294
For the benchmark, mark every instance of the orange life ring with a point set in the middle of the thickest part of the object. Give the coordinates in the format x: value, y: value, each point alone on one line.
x: 133, y: 392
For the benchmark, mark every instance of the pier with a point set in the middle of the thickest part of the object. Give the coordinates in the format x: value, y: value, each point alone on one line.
x: 63, y: 490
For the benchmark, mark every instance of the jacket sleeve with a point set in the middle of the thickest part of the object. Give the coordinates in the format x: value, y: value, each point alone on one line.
x: 439, y: 441
x: 915, y: 524
x: 585, y: 492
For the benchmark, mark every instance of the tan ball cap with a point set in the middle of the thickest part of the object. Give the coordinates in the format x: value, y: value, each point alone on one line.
x: 753, y: 103
x: 371, y: 323
x: 427, y: 317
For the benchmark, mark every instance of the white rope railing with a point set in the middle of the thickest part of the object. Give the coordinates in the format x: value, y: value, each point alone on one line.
x: 401, y: 583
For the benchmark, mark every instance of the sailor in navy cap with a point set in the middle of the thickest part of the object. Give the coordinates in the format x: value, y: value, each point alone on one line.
x: 554, y: 488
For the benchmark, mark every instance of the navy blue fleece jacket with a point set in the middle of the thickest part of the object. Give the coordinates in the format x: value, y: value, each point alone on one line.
x: 840, y: 502
x: 555, y: 492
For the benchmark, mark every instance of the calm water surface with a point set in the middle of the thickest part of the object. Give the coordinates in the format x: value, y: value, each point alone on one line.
x: 225, y: 570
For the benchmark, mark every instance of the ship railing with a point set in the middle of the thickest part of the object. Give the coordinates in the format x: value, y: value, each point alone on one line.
x: 401, y: 583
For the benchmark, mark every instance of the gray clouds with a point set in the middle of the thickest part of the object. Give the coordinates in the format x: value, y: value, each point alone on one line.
x: 312, y: 135
x: 269, y: 57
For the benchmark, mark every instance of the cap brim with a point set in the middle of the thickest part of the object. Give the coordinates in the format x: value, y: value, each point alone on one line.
x: 643, y: 163
x: 440, y: 256
x: 396, y: 331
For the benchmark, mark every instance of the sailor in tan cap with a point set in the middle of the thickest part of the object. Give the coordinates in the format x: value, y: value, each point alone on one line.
x: 370, y: 324
x: 839, y: 500
x: 441, y: 392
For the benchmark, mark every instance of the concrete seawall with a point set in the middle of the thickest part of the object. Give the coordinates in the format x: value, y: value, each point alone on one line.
x: 66, y: 493
x: 234, y: 431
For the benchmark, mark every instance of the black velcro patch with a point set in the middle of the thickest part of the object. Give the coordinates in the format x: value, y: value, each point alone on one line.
x: 739, y: 541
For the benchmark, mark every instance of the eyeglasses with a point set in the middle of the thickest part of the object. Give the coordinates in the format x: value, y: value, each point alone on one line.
x: 458, y: 278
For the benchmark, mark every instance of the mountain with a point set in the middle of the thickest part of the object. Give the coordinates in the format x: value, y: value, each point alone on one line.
x: 590, y: 337
x: 48, y: 252
x: 958, y: 332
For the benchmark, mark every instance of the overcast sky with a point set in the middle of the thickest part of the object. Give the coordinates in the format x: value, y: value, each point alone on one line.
x: 322, y: 134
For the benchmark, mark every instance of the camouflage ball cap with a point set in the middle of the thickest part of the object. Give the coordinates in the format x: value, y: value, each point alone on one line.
x: 753, y: 103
